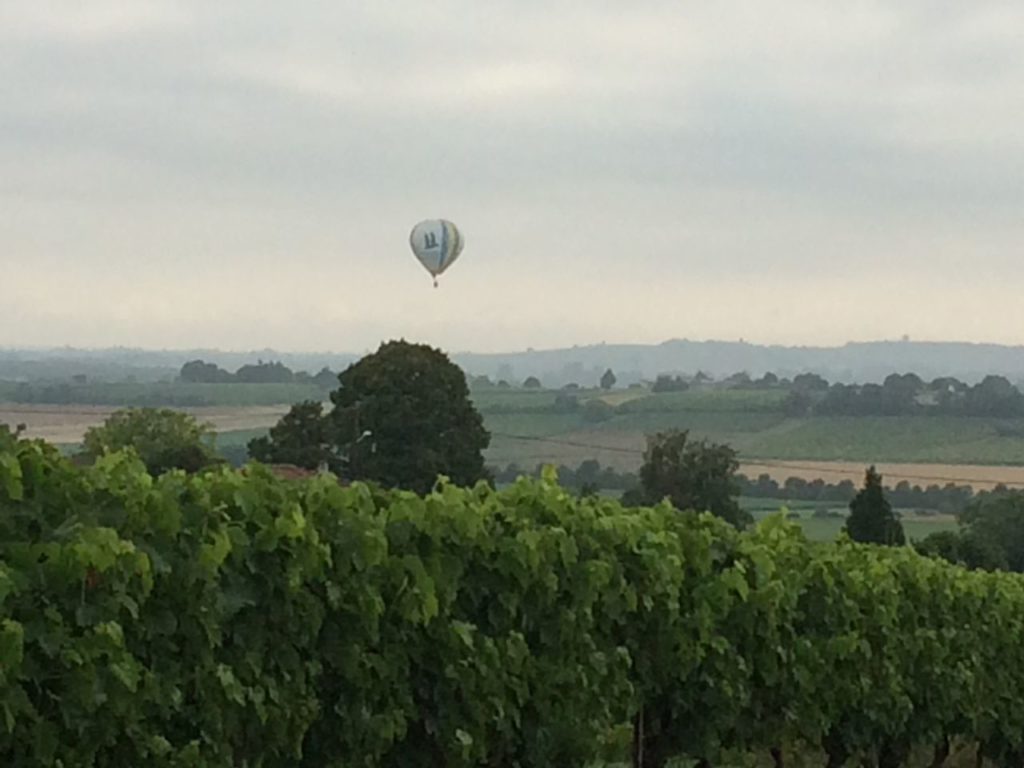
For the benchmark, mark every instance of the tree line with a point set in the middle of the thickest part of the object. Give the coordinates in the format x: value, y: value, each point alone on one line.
x: 590, y: 476
x: 272, y: 372
x: 906, y: 395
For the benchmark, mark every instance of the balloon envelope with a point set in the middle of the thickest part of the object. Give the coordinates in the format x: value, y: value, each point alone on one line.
x: 437, y: 243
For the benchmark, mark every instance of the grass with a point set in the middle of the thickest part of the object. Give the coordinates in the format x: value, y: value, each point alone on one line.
x: 497, y: 400
x: 915, y: 526
x: 763, y: 435
x: 924, y: 439
x: 180, y: 394
x: 728, y: 400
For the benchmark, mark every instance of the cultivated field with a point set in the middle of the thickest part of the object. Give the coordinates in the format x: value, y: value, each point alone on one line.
x: 67, y: 424
x: 528, y: 429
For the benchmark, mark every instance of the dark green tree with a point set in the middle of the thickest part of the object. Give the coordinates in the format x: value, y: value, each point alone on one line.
x: 872, y: 519
x: 741, y: 379
x: 696, y: 475
x: 532, y: 382
x: 996, y: 521
x: 994, y: 396
x: 899, y: 393
x: 402, y: 416
x: 265, y: 373
x: 198, y: 371
x: 809, y: 382
x: 163, y: 439
x: 964, y: 548
x: 302, y: 437
x: 608, y: 379
x: 326, y: 378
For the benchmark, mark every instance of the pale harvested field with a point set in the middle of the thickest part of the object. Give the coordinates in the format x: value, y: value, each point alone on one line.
x: 624, y: 451
x: 980, y: 477
x: 67, y: 424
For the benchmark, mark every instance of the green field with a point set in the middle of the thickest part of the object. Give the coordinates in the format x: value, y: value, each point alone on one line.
x: 915, y: 526
x: 751, y: 421
x: 180, y: 394
x: 532, y: 426
x: 703, y: 400
x: 763, y: 435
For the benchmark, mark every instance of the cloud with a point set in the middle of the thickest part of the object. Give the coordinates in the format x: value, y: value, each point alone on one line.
x: 218, y: 160
x: 63, y: 22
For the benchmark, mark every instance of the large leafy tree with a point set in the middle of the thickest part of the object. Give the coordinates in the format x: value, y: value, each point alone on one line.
x: 997, y: 521
x: 402, y: 416
x: 697, y: 475
x: 302, y: 438
x: 872, y: 519
x: 965, y: 548
x: 163, y: 439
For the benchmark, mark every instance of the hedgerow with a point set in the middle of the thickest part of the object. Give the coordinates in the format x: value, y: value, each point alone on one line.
x: 234, y: 619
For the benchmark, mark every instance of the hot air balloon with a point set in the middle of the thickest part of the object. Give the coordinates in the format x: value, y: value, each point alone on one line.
x: 437, y: 243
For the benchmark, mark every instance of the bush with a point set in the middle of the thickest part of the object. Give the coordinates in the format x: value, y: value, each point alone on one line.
x: 163, y: 439
x: 232, y: 618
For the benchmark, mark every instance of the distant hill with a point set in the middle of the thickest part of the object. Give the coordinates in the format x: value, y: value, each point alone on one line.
x: 853, y: 362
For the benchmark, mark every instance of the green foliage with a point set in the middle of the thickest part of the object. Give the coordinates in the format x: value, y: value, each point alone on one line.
x: 402, y: 417
x: 608, y: 379
x: 201, y: 372
x: 964, y: 548
x: 994, y: 525
x: 412, y: 405
x: 691, y: 475
x: 265, y: 373
x: 325, y: 378
x: 302, y: 437
x: 871, y: 517
x: 163, y: 439
x: 233, y: 619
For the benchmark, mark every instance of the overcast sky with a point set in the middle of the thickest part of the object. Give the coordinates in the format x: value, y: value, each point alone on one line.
x: 245, y: 174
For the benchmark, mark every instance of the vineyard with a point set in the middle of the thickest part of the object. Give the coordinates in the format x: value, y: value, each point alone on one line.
x: 235, y: 619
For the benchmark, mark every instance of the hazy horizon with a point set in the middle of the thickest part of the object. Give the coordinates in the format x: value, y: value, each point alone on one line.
x: 57, y: 348
x: 175, y: 174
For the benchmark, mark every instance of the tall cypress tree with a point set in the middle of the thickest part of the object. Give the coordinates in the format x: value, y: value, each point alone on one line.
x: 871, y: 517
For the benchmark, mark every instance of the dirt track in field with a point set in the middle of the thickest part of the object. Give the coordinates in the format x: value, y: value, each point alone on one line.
x: 67, y: 424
